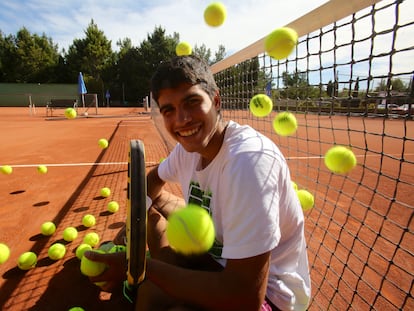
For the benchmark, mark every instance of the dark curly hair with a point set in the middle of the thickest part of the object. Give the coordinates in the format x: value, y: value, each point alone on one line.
x: 183, y: 69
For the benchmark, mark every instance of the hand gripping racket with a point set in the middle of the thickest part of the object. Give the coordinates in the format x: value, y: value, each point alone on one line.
x: 136, y: 223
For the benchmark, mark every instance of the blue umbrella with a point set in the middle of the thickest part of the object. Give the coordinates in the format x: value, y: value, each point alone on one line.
x: 81, y: 88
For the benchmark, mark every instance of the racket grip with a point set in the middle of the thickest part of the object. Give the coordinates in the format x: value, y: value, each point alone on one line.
x: 130, y: 291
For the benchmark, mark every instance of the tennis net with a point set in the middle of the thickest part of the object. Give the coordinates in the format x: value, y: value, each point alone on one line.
x: 348, y: 82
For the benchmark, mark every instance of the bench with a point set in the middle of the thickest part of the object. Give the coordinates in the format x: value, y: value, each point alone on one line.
x: 60, y: 104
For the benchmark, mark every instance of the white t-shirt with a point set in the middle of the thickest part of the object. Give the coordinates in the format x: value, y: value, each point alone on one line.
x: 248, y: 192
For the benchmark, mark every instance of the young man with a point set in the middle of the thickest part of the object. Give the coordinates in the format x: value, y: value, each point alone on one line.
x: 259, y: 260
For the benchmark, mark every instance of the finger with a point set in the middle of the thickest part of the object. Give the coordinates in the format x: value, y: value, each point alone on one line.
x: 106, y: 258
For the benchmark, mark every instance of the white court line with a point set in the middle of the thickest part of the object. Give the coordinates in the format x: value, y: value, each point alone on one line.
x: 76, y: 164
x: 154, y: 163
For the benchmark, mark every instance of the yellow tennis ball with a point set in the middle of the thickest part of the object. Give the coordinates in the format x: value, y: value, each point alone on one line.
x: 215, y: 14
x: 6, y: 169
x: 117, y: 249
x: 88, y: 220
x: 91, y: 238
x: 103, y: 143
x: 281, y: 42
x: 306, y: 199
x: 42, y: 169
x: 295, y: 186
x: 105, y: 192
x: 82, y: 248
x: 261, y: 105
x: 285, y: 123
x: 70, y: 234
x: 76, y: 309
x: 48, y: 228
x: 183, y: 48
x: 27, y: 261
x: 4, y: 253
x: 340, y: 159
x: 113, y: 206
x: 56, y: 251
x: 70, y: 113
x: 92, y: 268
x: 190, y: 230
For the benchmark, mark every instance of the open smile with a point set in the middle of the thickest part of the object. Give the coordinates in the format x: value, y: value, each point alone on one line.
x: 187, y: 133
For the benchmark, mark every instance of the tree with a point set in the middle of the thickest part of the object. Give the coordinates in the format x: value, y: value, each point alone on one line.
x: 395, y: 85
x: 91, y: 56
x: 205, y: 53
x: 297, y: 86
x: 28, y: 58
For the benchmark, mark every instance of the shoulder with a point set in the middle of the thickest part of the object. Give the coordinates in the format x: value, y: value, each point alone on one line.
x: 241, y: 139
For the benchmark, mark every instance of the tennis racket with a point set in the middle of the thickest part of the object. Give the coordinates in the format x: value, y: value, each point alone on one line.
x: 136, y: 222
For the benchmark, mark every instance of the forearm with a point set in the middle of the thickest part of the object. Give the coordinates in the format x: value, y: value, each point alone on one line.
x: 208, y: 290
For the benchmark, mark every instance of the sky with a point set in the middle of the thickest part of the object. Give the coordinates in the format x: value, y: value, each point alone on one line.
x: 63, y: 20
x: 247, y: 22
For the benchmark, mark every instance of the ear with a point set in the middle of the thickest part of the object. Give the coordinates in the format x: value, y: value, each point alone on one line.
x: 217, y: 101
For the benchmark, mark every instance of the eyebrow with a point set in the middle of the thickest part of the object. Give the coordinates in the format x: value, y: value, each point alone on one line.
x: 186, y: 98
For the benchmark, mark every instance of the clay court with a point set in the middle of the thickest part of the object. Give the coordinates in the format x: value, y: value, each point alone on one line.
x: 77, y: 169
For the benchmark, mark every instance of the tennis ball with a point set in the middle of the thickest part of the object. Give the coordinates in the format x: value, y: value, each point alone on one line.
x: 92, y: 238
x: 340, y: 159
x: 77, y: 309
x: 117, y: 249
x: 81, y: 249
x: 88, y: 220
x: 92, y: 268
x: 42, y: 169
x: 48, y: 228
x: 190, y: 230
x: 215, y: 14
x: 261, y: 105
x: 70, y: 113
x: 281, y: 42
x: 103, y: 143
x: 183, y: 48
x: 4, y: 253
x: 306, y: 199
x: 70, y: 234
x: 295, y: 186
x: 285, y: 123
x: 105, y: 192
x: 6, y: 169
x: 113, y: 206
x: 27, y: 261
x: 56, y: 251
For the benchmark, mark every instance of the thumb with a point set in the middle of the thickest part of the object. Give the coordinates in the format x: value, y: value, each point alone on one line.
x: 107, y: 258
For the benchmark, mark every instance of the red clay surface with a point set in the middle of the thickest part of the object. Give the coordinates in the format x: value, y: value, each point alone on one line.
x: 68, y: 191
x: 360, y: 233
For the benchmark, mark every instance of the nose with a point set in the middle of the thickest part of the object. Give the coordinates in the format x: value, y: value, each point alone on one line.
x: 183, y: 115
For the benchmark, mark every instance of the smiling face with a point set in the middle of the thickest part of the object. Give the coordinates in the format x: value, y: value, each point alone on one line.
x: 192, y: 118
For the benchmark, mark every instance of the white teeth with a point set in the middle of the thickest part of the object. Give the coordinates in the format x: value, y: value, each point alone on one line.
x: 188, y: 133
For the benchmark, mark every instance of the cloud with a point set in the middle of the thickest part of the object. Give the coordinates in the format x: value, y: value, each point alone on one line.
x: 64, y: 21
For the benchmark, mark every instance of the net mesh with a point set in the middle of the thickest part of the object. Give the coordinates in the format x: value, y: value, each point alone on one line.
x: 350, y: 83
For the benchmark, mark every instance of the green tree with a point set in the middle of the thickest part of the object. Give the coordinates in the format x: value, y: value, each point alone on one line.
x: 297, y: 86
x: 205, y: 53
x: 395, y: 85
x: 91, y: 56
x: 28, y: 58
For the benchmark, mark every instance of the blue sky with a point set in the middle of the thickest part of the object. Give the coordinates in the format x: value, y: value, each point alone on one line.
x: 64, y: 21
x: 247, y: 22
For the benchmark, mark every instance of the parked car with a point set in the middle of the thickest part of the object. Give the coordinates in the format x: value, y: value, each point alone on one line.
x: 392, y: 108
x: 405, y: 109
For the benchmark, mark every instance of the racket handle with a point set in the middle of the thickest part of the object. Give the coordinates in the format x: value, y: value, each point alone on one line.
x: 130, y: 292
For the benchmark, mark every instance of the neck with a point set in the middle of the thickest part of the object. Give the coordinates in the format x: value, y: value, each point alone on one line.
x: 215, y: 144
